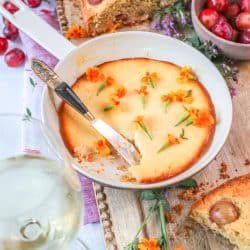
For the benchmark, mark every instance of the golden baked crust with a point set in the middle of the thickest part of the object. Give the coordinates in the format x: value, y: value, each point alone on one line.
x: 237, y: 191
x: 128, y: 72
x: 102, y: 17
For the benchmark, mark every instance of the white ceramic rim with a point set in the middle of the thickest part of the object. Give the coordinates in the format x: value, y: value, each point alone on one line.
x: 189, y: 172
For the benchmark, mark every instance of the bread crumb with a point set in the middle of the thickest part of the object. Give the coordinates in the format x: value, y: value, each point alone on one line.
x: 169, y: 217
x: 127, y: 178
x: 223, y: 171
x: 178, y: 208
x: 122, y: 168
x: 247, y: 162
x: 191, y: 193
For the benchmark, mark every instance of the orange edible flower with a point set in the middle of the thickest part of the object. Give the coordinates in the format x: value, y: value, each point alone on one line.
x: 94, y: 74
x: 120, y: 92
x: 178, y: 96
x: 75, y: 31
x: 139, y: 119
x: 204, y: 119
x: 199, y: 118
x: 150, y: 79
x: 102, y: 147
x: 148, y: 244
x: 186, y: 75
x: 173, y: 140
x: 142, y: 91
x: 110, y: 81
x: 115, y: 101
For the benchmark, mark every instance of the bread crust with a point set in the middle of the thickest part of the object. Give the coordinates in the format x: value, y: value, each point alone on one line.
x: 102, y: 17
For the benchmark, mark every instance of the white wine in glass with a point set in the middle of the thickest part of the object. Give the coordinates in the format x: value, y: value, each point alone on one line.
x: 40, y: 199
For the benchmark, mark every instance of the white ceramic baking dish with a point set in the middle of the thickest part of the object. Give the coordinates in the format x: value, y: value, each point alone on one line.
x: 73, y: 62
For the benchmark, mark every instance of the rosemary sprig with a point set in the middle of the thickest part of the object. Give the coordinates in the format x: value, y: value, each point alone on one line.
x: 108, y: 108
x: 27, y: 115
x: 101, y: 88
x: 134, y: 242
x: 183, y: 119
x: 161, y: 206
x: 32, y: 82
x: 182, y: 135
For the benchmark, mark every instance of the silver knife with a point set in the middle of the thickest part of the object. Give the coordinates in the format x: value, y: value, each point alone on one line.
x: 126, y: 149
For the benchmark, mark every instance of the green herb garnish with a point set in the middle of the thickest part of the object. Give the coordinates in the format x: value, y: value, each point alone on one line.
x: 151, y: 83
x: 101, y: 88
x: 108, y: 108
x: 183, y: 119
x: 182, y: 135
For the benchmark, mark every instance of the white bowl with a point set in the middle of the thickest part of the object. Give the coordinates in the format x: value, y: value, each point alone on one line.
x: 148, y: 45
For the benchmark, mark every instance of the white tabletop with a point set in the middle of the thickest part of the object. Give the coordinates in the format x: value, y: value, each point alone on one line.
x: 11, y: 90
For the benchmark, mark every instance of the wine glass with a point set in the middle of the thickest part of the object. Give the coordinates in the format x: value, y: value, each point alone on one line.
x: 40, y: 198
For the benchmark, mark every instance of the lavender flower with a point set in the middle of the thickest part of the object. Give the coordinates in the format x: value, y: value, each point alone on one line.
x: 166, y: 194
x: 168, y: 25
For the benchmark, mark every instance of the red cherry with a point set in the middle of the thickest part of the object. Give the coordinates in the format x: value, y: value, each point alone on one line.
x: 218, y: 5
x: 209, y: 17
x: 245, y: 37
x: 12, y: 8
x: 243, y: 21
x: 232, y: 10
x: 14, y: 57
x: 235, y: 35
x: 33, y: 3
x: 10, y: 31
x: 245, y: 5
x: 3, y: 45
x: 94, y: 2
x: 224, y: 30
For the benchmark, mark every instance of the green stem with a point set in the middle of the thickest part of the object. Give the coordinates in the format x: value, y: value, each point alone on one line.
x: 163, y: 223
x: 166, y: 103
x: 108, y: 108
x: 150, y: 211
x: 151, y: 83
x: 143, y: 100
x: 163, y: 147
x: 183, y: 119
x: 101, y: 88
x: 143, y: 127
x: 189, y: 123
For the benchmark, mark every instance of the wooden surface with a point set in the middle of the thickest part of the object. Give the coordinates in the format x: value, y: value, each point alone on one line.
x: 122, y: 211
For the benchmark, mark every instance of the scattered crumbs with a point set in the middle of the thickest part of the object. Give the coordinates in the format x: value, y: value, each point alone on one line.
x: 90, y: 157
x: 127, y: 178
x: 223, y: 171
x: 187, y: 230
x: 122, y: 168
x: 236, y: 170
x: 191, y: 193
x: 169, y: 217
x: 247, y: 162
x: 178, y: 208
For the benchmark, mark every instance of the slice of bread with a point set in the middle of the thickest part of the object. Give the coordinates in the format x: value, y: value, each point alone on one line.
x: 236, y: 191
x: 103, y: 17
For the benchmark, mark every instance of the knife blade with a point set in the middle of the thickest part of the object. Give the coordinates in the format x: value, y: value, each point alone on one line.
x: 123, y: 147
